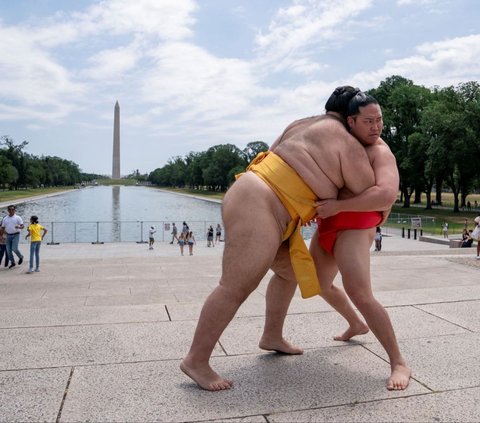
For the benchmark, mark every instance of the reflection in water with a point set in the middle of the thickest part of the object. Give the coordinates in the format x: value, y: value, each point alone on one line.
x: 116, y: 225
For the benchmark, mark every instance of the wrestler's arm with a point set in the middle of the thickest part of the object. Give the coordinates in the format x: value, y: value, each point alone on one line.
x: 379, y: 197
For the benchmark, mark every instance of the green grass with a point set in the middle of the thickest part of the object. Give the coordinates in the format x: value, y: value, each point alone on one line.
x: 108, y: 181
x: 7, y: 195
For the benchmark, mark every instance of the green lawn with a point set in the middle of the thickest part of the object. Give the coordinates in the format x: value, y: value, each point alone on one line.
x: 6, y: 195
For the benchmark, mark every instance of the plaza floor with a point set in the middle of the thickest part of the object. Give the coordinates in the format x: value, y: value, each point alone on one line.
x: 99, y: 333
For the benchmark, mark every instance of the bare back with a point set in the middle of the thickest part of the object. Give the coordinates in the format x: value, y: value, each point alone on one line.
x: 325, y: 156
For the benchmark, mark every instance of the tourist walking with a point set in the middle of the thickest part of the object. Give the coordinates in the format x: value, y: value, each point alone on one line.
x: 181, y: 242
x: 3, y: 246
x: 210, y: 237
x: 445, y: 230
x: 174, y: 232
x: 218, y: 233
x: 12, y: 225
x: 185, y: 228
x: 151, y: 239
x: 36, y: 239
x: 190, y: 241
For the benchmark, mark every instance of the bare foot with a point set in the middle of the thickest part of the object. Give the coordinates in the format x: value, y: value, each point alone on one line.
x: 281, y: 346
x: 400, y: 378
x: 360, y: 329
x: 205, y: 377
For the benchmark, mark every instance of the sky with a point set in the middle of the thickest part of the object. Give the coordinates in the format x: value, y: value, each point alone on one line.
x: 191, y: 74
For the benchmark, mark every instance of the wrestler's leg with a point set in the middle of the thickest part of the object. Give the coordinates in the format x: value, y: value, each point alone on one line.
x: 333, y: 295
x: 352, y: 253
x: 280, y: 291
x: 253, y: 236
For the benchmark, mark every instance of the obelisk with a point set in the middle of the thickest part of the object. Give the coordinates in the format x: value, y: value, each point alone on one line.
x: 116, y: 143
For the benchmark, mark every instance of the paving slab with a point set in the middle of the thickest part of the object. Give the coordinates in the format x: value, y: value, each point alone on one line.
x: 94, y: 344
x: 452, y: 406
x: 316, y: 330
x: 463, y: 313
x: 442, y: 363
x: 263, y: 384
x: 32, y: 395
x: 36, y: 317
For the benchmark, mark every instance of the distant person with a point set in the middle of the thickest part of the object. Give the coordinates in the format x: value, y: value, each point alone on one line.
x: 378, y: 239
x: 218, y: 233
x: 469, y: 206
x: 181, y: 242
x: 476, y: 235
x: 445, y: 229
x: 475, y: 204
x: 151, y: 238
x: 465, y: 225
x: 36, y: 239
x: 467, y: 240
x: 13, y: 224
x: 3, y: 246
x: 185, y: 228
x: 210, y: 237
x: 174, y: 232
x: 191, y: 241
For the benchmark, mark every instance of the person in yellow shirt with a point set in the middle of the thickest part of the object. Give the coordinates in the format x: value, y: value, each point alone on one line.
x: 34, y: 230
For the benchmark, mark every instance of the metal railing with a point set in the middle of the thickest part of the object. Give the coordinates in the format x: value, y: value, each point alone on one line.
x: 100, y: 232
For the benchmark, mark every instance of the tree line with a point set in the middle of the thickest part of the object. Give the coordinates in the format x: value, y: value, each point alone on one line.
x: 20, y: 169
x: 214, y: 169
x: 433, y: 133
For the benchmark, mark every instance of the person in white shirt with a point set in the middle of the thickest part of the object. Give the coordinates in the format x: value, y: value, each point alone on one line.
x: 12, y: 225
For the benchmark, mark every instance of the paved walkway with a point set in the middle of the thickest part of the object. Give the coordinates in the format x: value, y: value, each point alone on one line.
x: 98, y: 335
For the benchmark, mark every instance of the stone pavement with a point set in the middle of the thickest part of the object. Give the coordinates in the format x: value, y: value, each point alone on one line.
x: 98, y: 335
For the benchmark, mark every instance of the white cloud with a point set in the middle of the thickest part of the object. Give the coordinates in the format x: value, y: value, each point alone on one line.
x: 304, y: 28
x: 441, y: 63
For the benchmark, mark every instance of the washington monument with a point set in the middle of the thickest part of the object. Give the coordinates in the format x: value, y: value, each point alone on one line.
x: 116, y: 143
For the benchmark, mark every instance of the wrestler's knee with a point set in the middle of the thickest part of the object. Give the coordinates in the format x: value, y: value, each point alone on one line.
x: 362, y: 300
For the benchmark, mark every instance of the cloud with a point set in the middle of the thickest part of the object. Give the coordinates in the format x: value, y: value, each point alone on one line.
x: 303, y: 28
x: 440, y: 63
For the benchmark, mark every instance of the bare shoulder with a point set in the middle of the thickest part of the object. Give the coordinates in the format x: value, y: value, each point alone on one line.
x: 380, y: 151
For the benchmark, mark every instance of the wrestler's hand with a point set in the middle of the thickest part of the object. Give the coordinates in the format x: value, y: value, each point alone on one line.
x: 327, y: 208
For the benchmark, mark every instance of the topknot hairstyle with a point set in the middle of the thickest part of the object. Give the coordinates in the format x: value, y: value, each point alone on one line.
x: 360, y: 100
x: 340, y: 99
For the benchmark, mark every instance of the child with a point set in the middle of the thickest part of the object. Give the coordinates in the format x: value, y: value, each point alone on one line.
x: 36, y: 240
x: 151, y: 240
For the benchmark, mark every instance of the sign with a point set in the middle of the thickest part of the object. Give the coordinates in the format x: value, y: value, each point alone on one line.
x: 416, y: 222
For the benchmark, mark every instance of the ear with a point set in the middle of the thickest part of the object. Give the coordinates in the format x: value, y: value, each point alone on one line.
x: 350, y: 121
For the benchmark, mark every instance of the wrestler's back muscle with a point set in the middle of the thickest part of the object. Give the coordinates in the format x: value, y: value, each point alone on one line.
x: 326, y: 156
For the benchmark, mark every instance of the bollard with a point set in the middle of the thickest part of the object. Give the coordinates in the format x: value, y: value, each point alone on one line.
x: 415, y: 233
x: 403, y: 232
x: 421, y: 232
x: 408, y: 233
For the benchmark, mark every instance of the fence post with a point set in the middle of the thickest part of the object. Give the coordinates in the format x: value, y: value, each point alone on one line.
x: 97, y: 242
x: 403, y: 232
x: 408, y: 233
x: 141, y: 234
x: 52, y: 242
x: 415, y: 233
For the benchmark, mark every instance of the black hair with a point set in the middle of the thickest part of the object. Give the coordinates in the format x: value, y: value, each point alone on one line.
x: 360, y: 100
x: 34, y: 219
x: 340, y: 99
